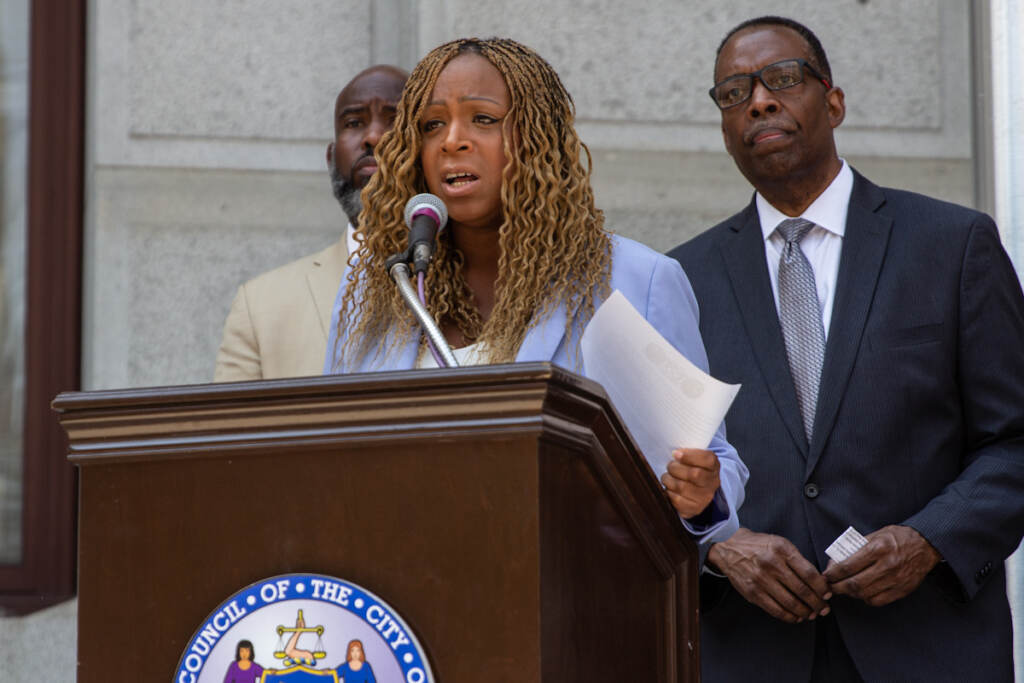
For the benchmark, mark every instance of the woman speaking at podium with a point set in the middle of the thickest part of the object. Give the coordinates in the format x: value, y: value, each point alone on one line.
x: 487, y: 126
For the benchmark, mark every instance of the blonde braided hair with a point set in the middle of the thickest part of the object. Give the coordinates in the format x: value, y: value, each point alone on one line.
x: 554, y: 248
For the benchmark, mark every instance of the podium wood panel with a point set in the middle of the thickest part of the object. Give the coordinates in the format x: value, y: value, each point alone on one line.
x: 501, y: 510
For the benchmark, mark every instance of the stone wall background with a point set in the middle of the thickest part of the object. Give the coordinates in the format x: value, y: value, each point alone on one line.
x: 208, y: 121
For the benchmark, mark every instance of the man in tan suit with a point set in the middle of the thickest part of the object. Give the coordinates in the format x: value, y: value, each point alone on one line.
x: 278, y: 323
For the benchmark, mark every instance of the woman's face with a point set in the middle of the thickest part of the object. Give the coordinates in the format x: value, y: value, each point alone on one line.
x: 355, y: 652
x: 244, y: 653
x: 463, y: 152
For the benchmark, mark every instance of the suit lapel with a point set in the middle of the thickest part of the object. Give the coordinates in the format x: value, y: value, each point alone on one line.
x: 405, y: 356
x: 743, y: 252
x: 402, y: 357
x: 864, y: 246
x: 542, y: 341
x: 323, y: 279
x: 540, y: 344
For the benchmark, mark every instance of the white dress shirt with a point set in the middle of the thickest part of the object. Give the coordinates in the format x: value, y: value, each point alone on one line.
x: 821, y: 245
x: 350, y: 239
x: 474, y: 354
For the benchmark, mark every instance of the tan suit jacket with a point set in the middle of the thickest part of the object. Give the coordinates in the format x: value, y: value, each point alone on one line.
x: 278, y: 323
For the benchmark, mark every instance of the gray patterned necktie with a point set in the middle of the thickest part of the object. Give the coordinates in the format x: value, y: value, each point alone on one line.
x: 800, y: 317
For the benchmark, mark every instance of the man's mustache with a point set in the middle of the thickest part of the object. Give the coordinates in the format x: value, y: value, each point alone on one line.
x: 359, y: 163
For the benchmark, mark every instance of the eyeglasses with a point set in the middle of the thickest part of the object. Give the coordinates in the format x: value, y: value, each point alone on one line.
x: 778, y: 76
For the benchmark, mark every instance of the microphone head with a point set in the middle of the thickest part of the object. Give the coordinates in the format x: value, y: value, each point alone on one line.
x: 429, y: 204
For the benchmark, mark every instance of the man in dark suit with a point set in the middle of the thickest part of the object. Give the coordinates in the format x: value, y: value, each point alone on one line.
x: 880, y: 345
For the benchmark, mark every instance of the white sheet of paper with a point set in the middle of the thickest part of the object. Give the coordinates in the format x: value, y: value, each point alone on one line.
x: 849, y: 542
x: 666, y: 401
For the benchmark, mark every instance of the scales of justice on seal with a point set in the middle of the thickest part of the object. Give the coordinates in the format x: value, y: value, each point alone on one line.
x: 317, y: 653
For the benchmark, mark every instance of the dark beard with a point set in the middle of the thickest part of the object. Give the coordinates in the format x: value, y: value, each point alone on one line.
x: 346, y: 193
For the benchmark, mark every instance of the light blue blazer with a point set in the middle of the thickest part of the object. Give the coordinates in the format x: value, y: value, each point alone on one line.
x: 657, y: 287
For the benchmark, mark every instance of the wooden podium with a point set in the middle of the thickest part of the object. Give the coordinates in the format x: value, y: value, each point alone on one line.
x: 503, y: 511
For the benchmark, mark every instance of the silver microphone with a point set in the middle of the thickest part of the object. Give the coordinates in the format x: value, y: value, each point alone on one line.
x: 426, y: 216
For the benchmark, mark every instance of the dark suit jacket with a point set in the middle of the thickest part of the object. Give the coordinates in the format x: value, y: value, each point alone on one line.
x: 920, y: 421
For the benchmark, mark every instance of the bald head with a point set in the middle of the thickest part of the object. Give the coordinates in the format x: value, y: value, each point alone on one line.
x: 363, y: 112
x: 380, y: 81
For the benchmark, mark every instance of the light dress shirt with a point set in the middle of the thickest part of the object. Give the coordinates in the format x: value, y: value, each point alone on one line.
x: 474, y: 354
x: 821, y: 245
x: 350, y: 239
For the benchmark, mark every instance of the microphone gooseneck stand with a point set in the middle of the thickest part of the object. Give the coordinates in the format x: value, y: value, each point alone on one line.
x: 398, y: 268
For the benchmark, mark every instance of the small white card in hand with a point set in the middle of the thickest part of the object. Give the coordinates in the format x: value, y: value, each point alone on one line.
x: 849, y: 542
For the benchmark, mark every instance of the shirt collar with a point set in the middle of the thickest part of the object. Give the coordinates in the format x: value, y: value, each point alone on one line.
x: 828, y: 210
x: 350, y: 239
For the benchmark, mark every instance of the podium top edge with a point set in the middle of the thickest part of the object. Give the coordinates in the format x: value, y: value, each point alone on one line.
x: 327, y: 385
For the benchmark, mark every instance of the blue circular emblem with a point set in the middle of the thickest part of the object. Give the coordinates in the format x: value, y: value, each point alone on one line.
x: 295, y: 628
